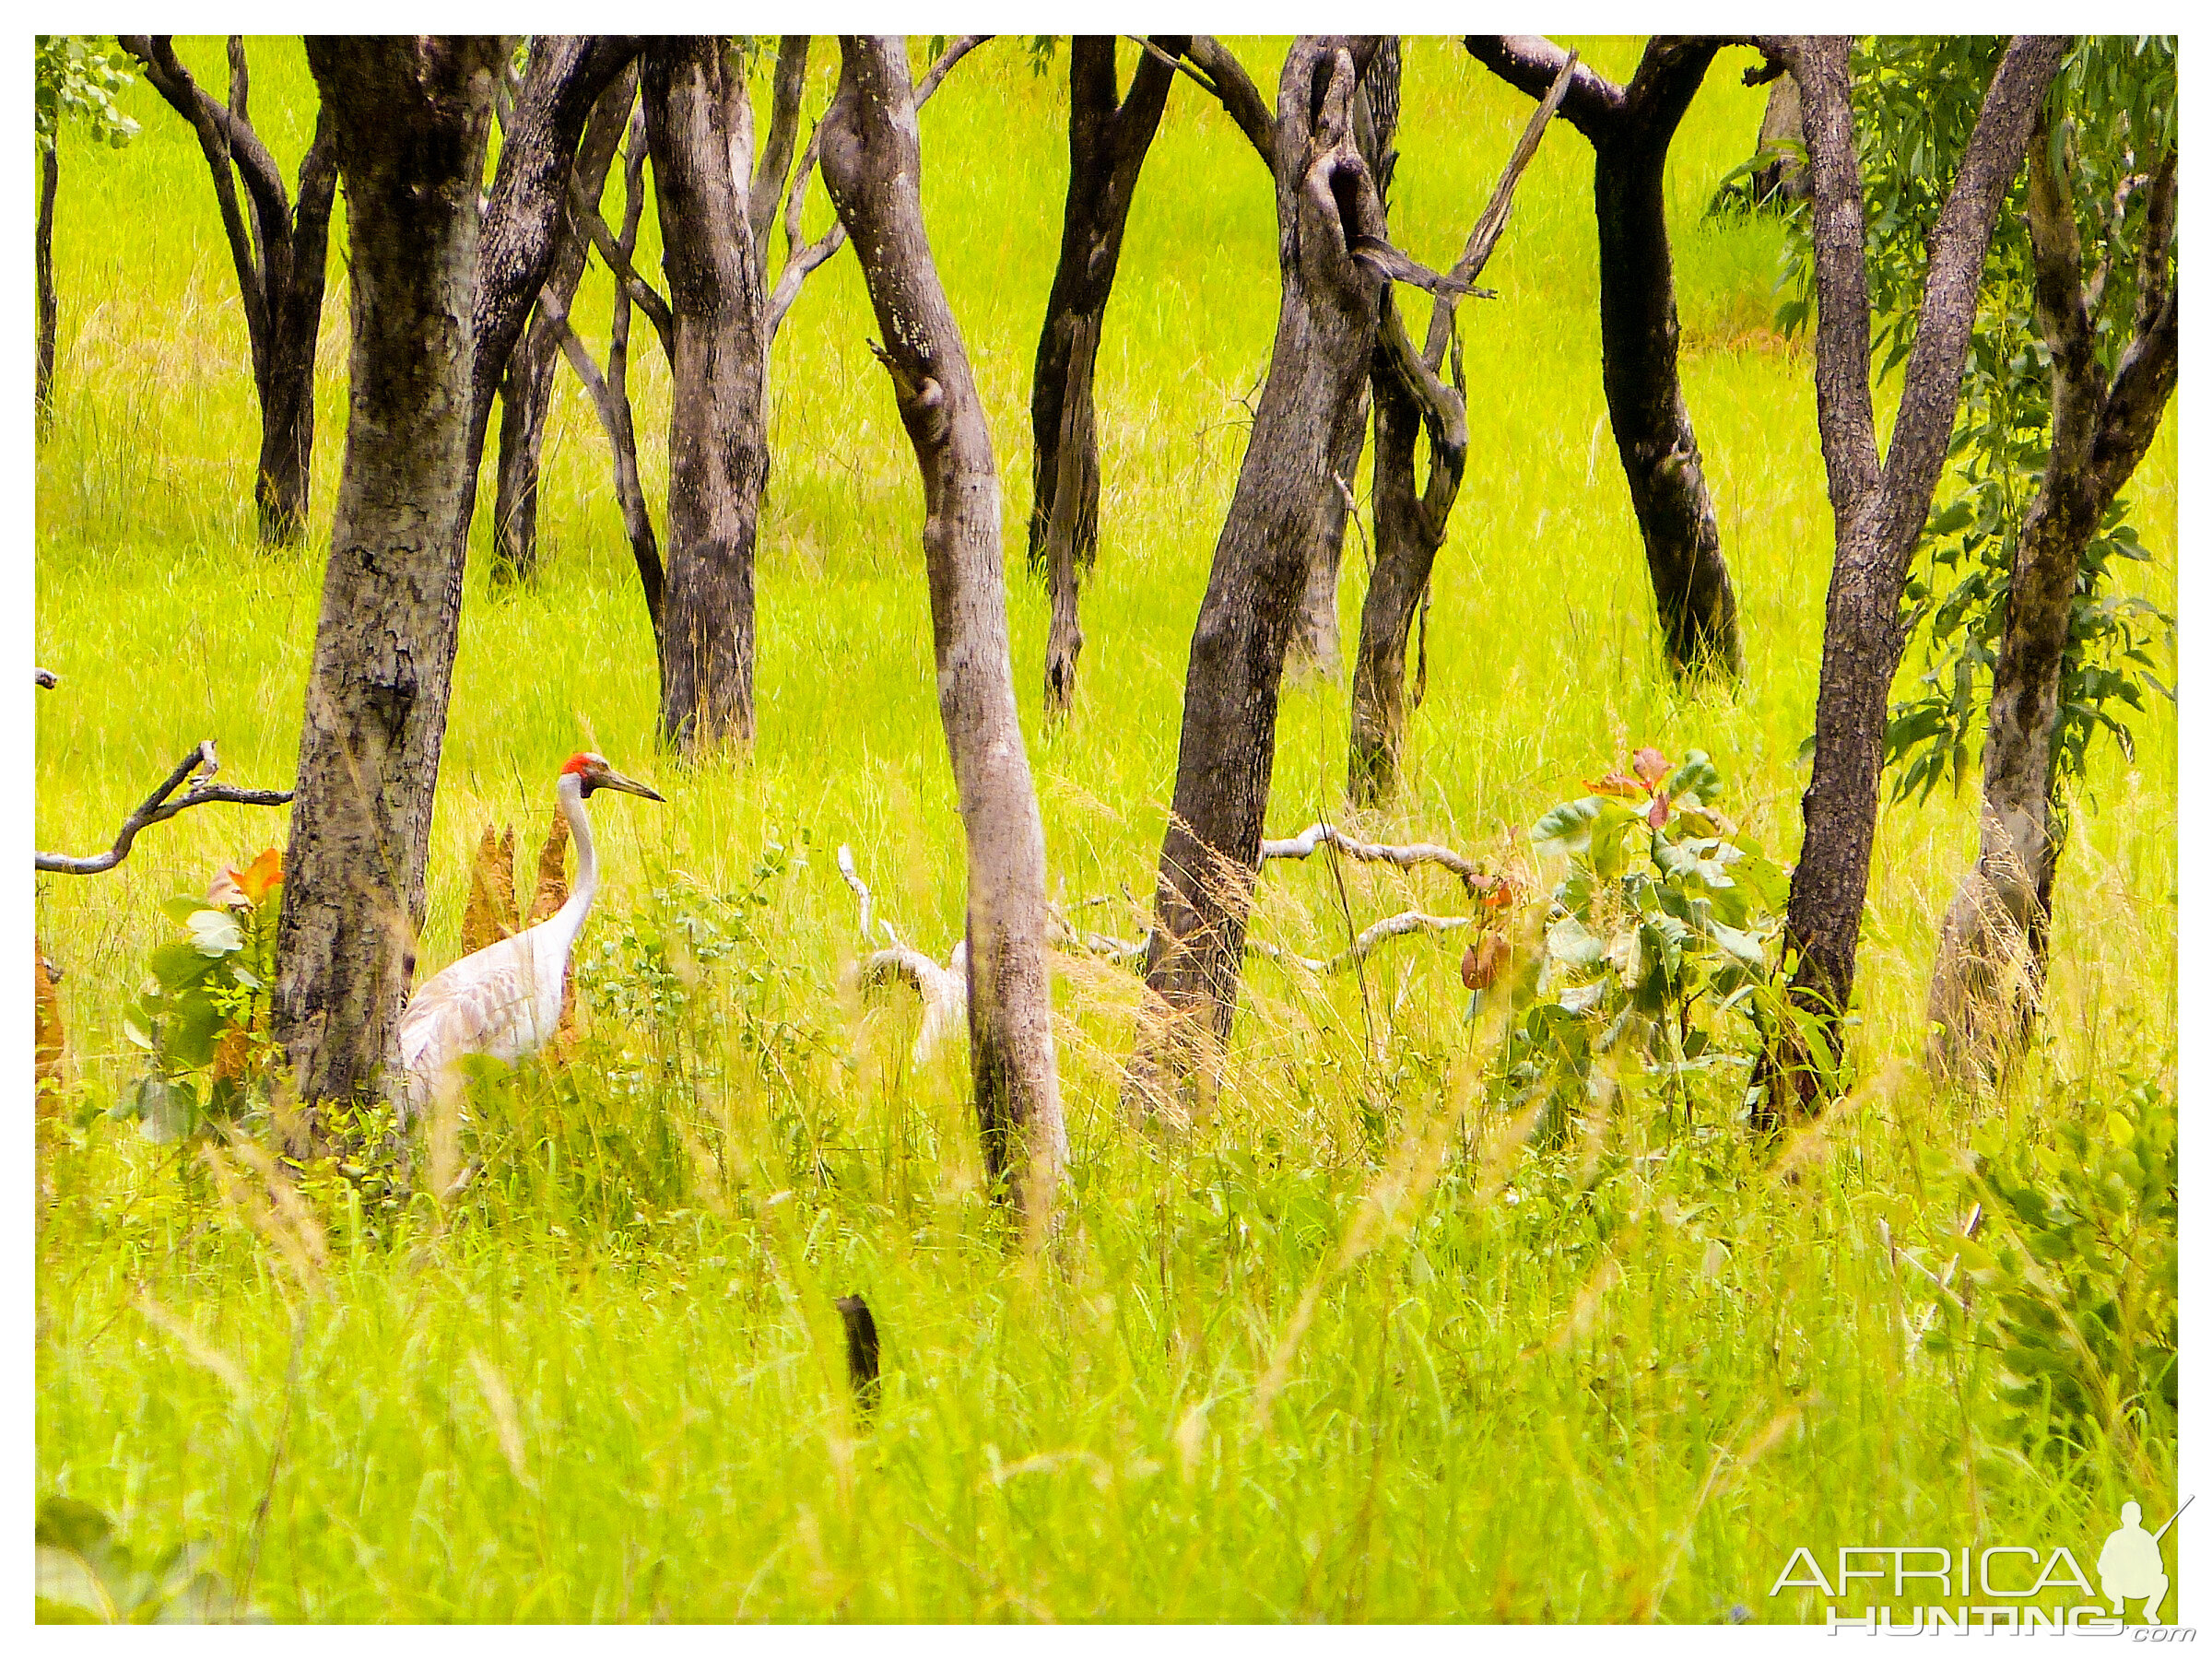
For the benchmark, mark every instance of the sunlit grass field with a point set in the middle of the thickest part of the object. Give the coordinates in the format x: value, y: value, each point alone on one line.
x: 1348, y: 1350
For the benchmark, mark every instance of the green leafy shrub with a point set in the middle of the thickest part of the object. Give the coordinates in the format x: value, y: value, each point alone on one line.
x: 203, y: 1015
x: 1663, y: 926
x: 2078, y: 1269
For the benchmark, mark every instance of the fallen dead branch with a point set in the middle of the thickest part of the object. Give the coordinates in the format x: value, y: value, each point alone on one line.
x: 157, y: 808
x: 1390, y: 927
x: 1405, y: 858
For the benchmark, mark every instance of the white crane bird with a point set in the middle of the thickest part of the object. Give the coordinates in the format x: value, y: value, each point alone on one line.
x: 505, y: 1000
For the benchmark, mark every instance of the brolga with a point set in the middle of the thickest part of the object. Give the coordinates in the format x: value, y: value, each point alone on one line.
x: 504, y: 1000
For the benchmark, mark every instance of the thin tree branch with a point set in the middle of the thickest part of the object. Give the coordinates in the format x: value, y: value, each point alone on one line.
x: 1593, y: 105
x: 1483, y: 239
x: 616, y: 259
x: 1471, y: 876
x: 770, y: 173
x: 157, y: 808
x: 1246, y: 105
x: 805, y: 258
x: 1390, y: 927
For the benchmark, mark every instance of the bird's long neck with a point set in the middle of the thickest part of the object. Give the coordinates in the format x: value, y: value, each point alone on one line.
x: 569, y: 919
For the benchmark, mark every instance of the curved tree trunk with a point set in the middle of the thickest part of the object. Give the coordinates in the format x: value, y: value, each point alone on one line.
x: 280, y: 257
x: 871, y: 161
x: 50, y: 181
x: 1410, y: 397
x: 408, y: 121
x: 1989, y: 965
x: 1880, y: 504
x: 1107, y: 137
x: 1325, y: 198
x: 717, y: 425
x: 526, y: 393
x: 1630, y: 130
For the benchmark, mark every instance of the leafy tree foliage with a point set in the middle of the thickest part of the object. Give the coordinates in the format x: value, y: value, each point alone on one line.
x: 1915, y: 98
x: 78, y: 77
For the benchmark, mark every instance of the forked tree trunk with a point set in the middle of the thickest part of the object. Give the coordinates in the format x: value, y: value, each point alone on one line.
x: 527, y: 394
x: 50, y: 181
x: 523, y: 213
x: 1316, y: 645
x: 280, y: 257
x: 409, y: 120
x: 871, y: 161
x: 1107, y: 137
x: 1881, y: 505
x: 1410, y: 396
x: 1630, y: 130
x: 717, y: 424
x: 1989, y: 965
x: 1325, y: 202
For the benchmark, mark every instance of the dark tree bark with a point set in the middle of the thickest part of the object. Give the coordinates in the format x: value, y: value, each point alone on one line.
x: 50, y: 182
x: 527, y: 394
x: 871, y: 161
x: 1881, y: 505
x: 1629, y: 130
x: 1410, y: 399
x: 407, y: 120
x: 529, y: 197
x: 1107, y: 137
x: 1989, y: 965
x: 1315, y: 644
x: 280, y: 255
x: 1328, y: 213
x: 717, y: 427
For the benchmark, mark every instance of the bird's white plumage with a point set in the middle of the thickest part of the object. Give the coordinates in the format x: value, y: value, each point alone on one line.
x: 504, y: 1000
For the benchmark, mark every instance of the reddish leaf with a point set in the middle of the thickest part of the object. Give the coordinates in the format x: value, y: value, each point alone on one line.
x: 261, y: 877
x: 1478, y: 969
x: 1661, y: 811
x: 1618, y: 785
x: 1650, y: 766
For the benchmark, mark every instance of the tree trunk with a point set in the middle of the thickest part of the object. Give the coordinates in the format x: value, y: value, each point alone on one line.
x: 717, y: 427
x: 1630, y: 130
x: 50, y: 181
x: 1880, y: 506
x: 871, y: 162
x: 1989, y: 965
x: 1325, y: 329
x: 288, y: 394
x: 1782, y: 140
x: 280, y: 256
x: 1315, y: 645
x: 1409, y: 397
x: 409, y: 118
x: 1107, y: 138
x: 1406, y: 540
x: 1075, y: 523
x: 526, y: 393
x: 523, y: 213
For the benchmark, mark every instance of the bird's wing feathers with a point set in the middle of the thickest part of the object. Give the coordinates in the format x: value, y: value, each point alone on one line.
x: 485, y: 1004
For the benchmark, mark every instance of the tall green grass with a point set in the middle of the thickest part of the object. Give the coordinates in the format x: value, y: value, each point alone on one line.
x: 1347, y: 1351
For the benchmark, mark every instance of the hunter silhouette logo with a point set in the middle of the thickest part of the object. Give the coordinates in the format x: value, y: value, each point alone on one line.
x: 2131, y: 1568
x: 2008, y: 1585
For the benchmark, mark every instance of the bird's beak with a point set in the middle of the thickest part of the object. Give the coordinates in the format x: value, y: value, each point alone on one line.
x: 615, y: 780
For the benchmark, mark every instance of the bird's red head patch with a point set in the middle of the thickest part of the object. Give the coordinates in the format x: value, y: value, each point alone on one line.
x: 581, y: 765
